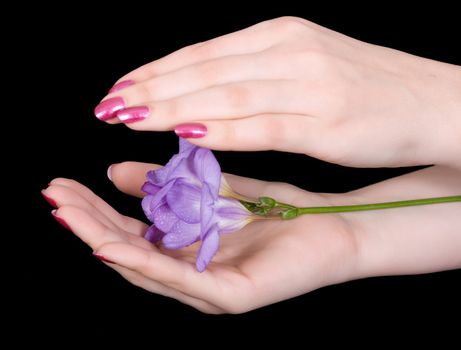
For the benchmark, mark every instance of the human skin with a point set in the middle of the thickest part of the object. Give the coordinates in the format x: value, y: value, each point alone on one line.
x: 269, y: 261
x: 288, y: 84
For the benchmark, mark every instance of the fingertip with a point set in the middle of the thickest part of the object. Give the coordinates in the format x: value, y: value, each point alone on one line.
x: 109, y: 172
x: 128, y: 177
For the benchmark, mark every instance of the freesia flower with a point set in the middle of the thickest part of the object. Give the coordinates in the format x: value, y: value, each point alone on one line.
x: 186, y: 203
x: 188, y: 200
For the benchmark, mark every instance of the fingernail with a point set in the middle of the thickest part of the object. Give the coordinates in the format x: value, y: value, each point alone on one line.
x: 109, y: 172
x: 60, y: 220
x: 108, y: 108
x: 50, y: 200
x: 103, y: 258
x: 133, y: 114
x: 191, y: 130
x: 121, y: 85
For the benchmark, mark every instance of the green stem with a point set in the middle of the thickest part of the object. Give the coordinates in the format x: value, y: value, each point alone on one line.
x: 375, y: 206
x: 284, y: 205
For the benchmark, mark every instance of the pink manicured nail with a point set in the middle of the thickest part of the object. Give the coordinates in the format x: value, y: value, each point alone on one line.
x: 133, y: 114
x: 50, y: 200
x: 121, y: 85
x: 60, y: 220
x: 191, y: 130
x: 108, y: 108
x: 103, y: 258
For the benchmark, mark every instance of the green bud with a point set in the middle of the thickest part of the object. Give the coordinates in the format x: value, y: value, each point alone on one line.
x: 289, y: 214
x: 267, y: 202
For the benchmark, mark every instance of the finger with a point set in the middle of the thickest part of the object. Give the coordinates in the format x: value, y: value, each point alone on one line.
x: 153, y: 286
x: 90, y: 230
x: 220, y: 71
x: 283, y: 132
x: 174, y: 273
x: 128, y: 177
x: 230, y: 101
x: 253, y: 39
x: 63, y: 195
x: 126, y: 223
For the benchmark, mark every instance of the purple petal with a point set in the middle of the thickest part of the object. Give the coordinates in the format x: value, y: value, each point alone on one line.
x: 206, y: 209
x: 230, y: 215
x: 153, y: 234
x: 150, y: 188
x: 177, y: 164
x: 185, y: 146
x: 231, y: 207
x: 146, y: 206
x: 164, y: 218
x: 151, y: 202
x: 208, y: 170
x: 210, y: 245
x: 185, y: 170
x: 181, y: 235
x: 184, y: 200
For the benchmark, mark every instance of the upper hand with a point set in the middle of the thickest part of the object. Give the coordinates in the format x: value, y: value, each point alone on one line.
x: 291, y: 85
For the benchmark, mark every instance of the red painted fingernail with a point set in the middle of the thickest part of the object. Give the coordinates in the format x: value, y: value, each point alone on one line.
x: 191, y: 130
x: 103, y: 258
x: 121, y: 85
x: 50, y: 200
x: 108, y: 108
x: 133, y: 114
x: 60, y: 220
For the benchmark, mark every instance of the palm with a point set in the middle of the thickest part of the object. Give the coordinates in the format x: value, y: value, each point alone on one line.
x: 265, y: 262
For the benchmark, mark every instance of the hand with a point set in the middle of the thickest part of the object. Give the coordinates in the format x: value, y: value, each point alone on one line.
x: 270, y: 260
x: 265, y: 262
x: 290, y: 85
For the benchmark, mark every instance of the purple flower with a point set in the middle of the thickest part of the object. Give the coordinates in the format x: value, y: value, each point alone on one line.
x: 185, y: 202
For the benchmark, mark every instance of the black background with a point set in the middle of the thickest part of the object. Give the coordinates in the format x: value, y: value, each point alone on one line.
x: 72, y: 57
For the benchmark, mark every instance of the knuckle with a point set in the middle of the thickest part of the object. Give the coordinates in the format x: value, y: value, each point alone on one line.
x: 202, y: 49
x: 275, y: 133
x: 172, y: 111
x: 230, y: 138
x: 237, y: 96
x: 210, y: 71
x: 145, y: 91
x: 289, y: 24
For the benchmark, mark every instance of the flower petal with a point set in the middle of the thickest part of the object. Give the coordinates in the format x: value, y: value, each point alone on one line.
x: 176, y: 166
x: 164, y: 218
x: 184, y: 200
x: 181, y: 235
x: 146, y: 206
x: 153, y: 234
x: 230, y: 215
x: 150, y: 188
x: 210, y: 245
x: 185, y: 147
x: 206, y: 209
x: 150, y: 203
x: 207, y: 169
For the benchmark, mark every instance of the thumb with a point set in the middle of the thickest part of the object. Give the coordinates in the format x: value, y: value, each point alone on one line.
x: 128, y: 177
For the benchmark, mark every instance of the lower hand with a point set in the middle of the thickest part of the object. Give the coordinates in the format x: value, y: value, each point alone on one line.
x: 265, y: 262
x: 268, y: 261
